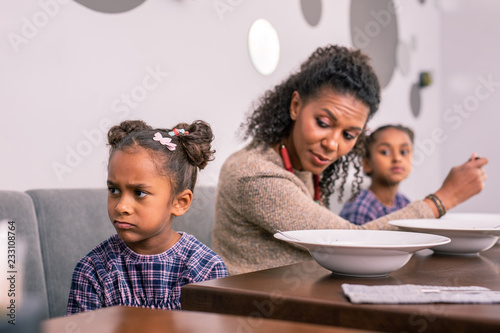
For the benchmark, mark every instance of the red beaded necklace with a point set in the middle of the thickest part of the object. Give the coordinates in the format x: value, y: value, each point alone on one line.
x: 288, y: 166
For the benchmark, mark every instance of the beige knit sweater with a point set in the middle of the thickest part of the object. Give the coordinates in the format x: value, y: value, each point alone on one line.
x: 256, y: 195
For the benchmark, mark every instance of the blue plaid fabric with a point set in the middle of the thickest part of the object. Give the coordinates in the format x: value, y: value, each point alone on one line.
x: 113, y: 274
x: 366, y: 207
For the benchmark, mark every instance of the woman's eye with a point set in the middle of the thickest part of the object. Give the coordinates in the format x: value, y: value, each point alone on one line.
x: 321, y: 123
x: 349, y: 136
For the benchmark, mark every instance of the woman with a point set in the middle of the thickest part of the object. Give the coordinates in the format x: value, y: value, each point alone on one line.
x: 306, y: 133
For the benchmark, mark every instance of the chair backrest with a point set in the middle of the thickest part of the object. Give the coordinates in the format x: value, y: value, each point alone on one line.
x: 18, y: 207
x: 71, y: 223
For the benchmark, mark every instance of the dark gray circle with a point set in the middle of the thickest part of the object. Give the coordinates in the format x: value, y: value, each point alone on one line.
x: 311, y: 9
x: 111, y: 6
x: 374, y: 30
x: 415, y: 100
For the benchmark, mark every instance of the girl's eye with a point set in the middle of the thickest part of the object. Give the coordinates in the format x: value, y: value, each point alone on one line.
x: 113, y: 191
x: 405, y: 152
x: 140, y: 194
x: 384, y: 152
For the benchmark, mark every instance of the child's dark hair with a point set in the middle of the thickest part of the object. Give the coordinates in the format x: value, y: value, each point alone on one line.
x: 370, y: 139
x: 180, y: 166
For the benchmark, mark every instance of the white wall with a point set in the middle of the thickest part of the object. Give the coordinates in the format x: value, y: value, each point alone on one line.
x: 64, y: 85
x: 471, y: 54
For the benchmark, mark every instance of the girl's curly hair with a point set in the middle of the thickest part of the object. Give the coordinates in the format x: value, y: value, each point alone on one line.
x: 181, y: 165
x: 346, y: 71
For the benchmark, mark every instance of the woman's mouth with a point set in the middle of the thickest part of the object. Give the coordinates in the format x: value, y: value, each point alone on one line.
x: 320, y: 159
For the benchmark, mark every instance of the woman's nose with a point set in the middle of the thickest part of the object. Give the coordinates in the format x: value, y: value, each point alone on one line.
x: 331, y: 141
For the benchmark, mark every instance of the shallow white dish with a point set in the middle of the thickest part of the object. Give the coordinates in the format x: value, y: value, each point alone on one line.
x: 481, y: 217
x: 362, y: 253
x: 469, y: 233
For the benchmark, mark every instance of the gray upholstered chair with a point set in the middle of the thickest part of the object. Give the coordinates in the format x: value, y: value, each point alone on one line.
x: 18, y: 207
x: 71, y: 222
x: 199, y: 219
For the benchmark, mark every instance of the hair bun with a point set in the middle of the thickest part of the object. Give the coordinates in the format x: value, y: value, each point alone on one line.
x: 118, y: 132
x: 197, y: 144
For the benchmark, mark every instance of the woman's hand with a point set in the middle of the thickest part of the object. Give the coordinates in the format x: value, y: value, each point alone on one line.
x: 462, y: 182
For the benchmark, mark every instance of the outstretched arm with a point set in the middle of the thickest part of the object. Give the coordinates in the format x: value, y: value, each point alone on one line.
x: 462, y: 182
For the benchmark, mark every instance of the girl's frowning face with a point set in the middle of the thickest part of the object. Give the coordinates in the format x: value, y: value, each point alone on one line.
x: 326, y: 127
x: 140, y: 205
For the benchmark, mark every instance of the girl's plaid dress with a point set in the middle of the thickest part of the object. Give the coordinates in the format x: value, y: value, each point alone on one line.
x: 113, y: 274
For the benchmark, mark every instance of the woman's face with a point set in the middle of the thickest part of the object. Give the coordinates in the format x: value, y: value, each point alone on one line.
x: 325, y: 128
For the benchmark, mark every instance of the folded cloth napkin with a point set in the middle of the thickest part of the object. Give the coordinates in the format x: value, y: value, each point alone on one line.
x: 411, y: 293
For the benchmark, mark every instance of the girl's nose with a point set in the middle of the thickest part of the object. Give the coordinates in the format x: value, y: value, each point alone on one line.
x: 396, y: 157
x: 123, y: 206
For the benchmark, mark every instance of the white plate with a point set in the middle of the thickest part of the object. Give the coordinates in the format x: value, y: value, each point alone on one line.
x: 363, y: 253
x: 483, y: 218
x: 469, y: 233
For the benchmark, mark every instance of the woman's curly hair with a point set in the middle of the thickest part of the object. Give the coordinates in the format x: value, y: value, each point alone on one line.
x: 346, y: 71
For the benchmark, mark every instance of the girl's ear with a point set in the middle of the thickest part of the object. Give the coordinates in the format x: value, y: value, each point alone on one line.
x: 182, y: 202
x: 367, y: 166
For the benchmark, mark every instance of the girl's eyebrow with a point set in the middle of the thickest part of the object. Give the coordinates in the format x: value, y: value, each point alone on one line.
x: 389, y: 145
x: 138, y: 185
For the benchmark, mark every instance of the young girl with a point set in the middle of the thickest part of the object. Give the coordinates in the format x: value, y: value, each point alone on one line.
x: 387, y: 161
x: 151, y: 178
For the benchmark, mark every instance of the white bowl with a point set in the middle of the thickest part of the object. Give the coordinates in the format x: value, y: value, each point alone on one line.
x: 481, y: 217
x: 469, y: 233
x: 362, y: 253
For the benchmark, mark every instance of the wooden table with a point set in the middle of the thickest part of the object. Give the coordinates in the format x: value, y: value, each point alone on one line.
x: 306, y: 292
x: 120, y: 319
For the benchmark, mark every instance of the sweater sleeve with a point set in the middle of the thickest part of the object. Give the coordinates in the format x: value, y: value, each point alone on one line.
x: 279, y: 202
x: 256, y: 196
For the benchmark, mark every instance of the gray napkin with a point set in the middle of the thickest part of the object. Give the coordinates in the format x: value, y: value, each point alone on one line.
x: 411, y: 293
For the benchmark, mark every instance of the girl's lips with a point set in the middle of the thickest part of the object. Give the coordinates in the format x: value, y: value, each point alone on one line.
x: 397, y: 169
x: 123, y: 225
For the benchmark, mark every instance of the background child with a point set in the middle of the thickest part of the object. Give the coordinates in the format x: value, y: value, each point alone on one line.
x: 387, y: 160
x: 151, y: 178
